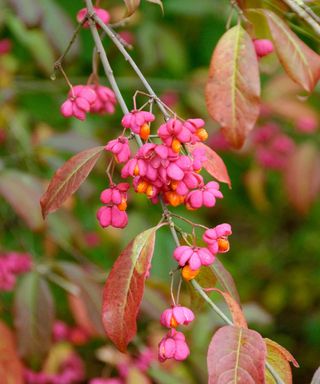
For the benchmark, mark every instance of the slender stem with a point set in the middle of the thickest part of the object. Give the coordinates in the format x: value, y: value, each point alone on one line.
x: 128, y: 58
x: 301, y: 12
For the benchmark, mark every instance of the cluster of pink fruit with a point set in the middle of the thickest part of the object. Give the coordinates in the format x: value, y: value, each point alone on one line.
x: 11, y: 265
x: 190, y: 259
x: 159, y: 169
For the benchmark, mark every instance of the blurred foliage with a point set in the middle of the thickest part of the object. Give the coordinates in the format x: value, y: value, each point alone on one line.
x: 274, y: 255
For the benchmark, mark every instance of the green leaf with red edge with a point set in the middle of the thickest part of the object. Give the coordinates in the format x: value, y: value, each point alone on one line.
x: 68, y: 179
x: 233, y: 88
x: 316, y: 377
x: 302, y: 177
x: 279, y: 358
x: 300, y: 62
x: 132, y: 6
x: 214, y: 165
x: 225, y: 279
x: 124, y: 289
x: 34, y: 316
x: 235, y: 356
x: 11, y: 370
x: 237, y: 314
x: 22, y: 191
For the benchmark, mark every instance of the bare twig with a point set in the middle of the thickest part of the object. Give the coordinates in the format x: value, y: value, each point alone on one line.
x: 302, y: 12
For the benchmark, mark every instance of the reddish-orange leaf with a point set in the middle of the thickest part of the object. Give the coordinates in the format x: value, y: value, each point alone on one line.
x: 279, y: 358
x: 237, y: 315
x: 22, y: 191
x: 68, y: 179
x: 124, y: 289
x: 300, y: 62
x: 214, y: 165
x: 236, y: 356
x: 225, y: 279
x: 233, y: 87
x: 11, y: 371
x: 302, y: 177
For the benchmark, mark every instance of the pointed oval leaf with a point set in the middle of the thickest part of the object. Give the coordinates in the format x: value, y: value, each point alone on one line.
x: 236, y: 356
x: 124, y: 288
x: 158, y: 2
x: 132, y: 6
x: 214, y: 165
x: 34, y: 316
x: 279, y: 358
x: 11, y: 370
x: 85, y: 307
x: 29, y: 11
x: 68, y: 179
x: 300, y: 62
x: 237, y: 314
x: 233, y: 87
x: 22, y: 192
x: 225, y: 279
x: 302, y: 177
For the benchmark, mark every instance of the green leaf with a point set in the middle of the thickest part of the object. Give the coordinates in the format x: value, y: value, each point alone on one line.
x: 34, y: 316
x: 29, y: 11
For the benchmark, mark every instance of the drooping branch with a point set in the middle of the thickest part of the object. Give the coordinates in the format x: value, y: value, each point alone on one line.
x: 93, y: 19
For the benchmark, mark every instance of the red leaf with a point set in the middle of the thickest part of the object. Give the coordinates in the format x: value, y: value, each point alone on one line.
x: 34, y: 316
x: 225, y: 279
x: 278, y: 357
x: 302, y: 177
x: 214, y: 165
x: 237, y: 315
x: 10, y: 366
x: 300, y: 62
x: 233, y: 87
x: 236, y: 356
x: 68, y: 179
x: 22, y: 192
x: 124, y: 289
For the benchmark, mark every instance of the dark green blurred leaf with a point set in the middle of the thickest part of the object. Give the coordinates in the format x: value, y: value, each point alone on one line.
x: 34, y: 316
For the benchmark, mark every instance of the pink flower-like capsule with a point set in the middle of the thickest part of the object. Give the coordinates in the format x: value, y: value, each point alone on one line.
x: 7, y: 277
x: 19, y: 262
x: 195, y: 257
x: 177, y: 315
x: 173, y: 133
x: 195, y: 126
x: 100, y: 380
x: 263, y: 47
x: 173, y: 346
x: 80, y: 99
x: 105, y: 101
x: 138, y: 122
x: 100, y: 12
x: 112, y: 216
x: 206, y: 196
x: 60, y: 331
x: 217, y: 238
x: 120, y: 148
x: 116, y: 195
